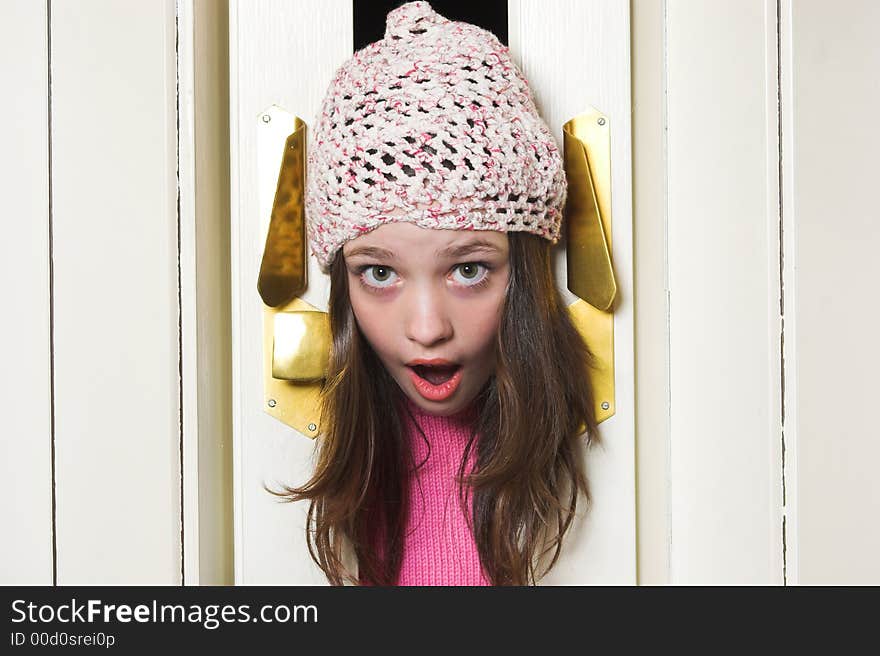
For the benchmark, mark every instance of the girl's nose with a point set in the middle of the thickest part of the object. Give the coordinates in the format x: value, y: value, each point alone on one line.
x: 428, y: 321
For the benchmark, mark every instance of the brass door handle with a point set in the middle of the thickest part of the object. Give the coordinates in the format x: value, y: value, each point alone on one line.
x: 283, y: 270
x: 296, y: 335
x: 587, y: 147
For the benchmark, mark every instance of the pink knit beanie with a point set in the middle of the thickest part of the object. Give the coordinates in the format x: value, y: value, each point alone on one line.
x: 433, y: 125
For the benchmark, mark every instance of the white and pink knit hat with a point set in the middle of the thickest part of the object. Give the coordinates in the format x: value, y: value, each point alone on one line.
x: 433, y: 125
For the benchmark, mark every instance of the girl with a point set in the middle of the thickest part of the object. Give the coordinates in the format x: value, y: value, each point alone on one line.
x: 458, y: 388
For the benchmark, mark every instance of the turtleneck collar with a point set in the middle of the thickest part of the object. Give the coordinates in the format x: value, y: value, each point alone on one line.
x: 465, y: 416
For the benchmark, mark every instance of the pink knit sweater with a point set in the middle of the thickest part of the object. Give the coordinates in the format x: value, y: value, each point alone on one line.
x: 439, y: 548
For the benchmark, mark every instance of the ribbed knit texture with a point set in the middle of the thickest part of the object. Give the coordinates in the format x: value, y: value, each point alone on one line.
x: 439, y: 548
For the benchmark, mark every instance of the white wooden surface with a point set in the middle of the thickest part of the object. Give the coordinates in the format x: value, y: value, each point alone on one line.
x: 284, y: 54
x: 576, y: 54
x: 788, y: 297
x: 191, y: 386
x: 116, y: 355
x: 279, y: 53
x: 25, y: 388
x: 651, y: 311
x: 723, y: 267
x: 121, y: 366
x: 203, y: 103
x: 833, y: 237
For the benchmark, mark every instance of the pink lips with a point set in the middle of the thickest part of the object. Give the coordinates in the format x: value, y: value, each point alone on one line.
x: 433, y: 392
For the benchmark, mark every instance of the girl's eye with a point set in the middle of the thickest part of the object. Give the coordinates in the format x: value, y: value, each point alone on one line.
x: 382, y: 275
x: 471, y: 273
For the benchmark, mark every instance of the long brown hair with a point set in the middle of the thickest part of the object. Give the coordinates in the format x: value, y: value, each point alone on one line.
x: 528, y: 438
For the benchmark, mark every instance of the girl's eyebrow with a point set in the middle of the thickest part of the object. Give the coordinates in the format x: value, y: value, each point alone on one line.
x: 449, y: 251
x: 370, y: 251
x: 467, y: 249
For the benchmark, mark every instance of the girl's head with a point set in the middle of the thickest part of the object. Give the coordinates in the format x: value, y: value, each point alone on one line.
x: 434, y: 195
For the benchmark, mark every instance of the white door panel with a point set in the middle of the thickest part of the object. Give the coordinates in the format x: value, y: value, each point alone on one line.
x: 25, y: 388
x: 576, y: 55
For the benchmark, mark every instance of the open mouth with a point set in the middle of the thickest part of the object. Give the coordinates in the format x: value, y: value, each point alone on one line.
x: 436, y: 383
x: 436, y: 375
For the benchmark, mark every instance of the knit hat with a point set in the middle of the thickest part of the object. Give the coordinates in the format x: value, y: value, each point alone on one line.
x: 434, y: 125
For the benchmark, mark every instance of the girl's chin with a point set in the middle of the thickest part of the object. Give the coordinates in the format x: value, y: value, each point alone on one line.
x: 439, y: 409
x: 446, y: 408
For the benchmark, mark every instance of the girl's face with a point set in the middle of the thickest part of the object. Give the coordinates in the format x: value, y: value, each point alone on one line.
x: 420, y: 293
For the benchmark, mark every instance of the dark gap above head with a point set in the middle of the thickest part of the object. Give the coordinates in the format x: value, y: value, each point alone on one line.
x: 368, y: 24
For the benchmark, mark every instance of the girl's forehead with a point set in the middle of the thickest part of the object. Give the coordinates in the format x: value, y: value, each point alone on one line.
x: 403, y: 239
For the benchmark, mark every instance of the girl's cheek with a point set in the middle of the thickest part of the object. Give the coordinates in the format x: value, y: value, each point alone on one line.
x: 375, y: 320
x: 488, y: 326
